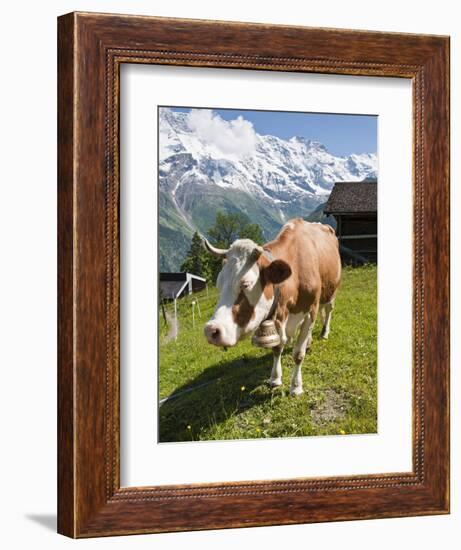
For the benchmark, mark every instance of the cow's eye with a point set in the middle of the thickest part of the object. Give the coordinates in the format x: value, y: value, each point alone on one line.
x: 245, y: 284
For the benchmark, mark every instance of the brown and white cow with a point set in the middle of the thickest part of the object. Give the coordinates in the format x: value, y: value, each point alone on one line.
x: 304, y: 261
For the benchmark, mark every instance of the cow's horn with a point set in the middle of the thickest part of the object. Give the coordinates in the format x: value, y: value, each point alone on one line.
x: 220, y: 252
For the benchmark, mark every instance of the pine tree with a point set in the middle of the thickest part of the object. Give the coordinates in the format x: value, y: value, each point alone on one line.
x: 229, y: 227
x: 226, y: 229
x: 197, y: 260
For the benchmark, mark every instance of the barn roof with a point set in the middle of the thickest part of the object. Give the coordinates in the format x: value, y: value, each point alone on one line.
x: 173, y: 284
x: 353, y: 197
x: 179, y: 276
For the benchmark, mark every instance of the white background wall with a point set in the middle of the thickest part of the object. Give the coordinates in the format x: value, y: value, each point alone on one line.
x: 28, y: 270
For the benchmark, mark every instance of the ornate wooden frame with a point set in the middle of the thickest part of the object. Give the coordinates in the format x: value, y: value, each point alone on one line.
x: 91, y: 48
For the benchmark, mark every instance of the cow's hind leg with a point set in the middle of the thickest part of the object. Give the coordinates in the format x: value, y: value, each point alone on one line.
x: 276, y: 374
x: 299, y: 351
x: 326, y: 318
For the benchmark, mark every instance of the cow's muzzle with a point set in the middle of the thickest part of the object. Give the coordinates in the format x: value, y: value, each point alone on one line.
x: 215, y: 335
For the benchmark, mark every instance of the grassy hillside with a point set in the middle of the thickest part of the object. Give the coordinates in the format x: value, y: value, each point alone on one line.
x: 174, y: 235
x: 228, y: 397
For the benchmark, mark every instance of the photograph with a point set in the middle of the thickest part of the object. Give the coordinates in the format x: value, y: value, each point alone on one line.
x: 267, y: 255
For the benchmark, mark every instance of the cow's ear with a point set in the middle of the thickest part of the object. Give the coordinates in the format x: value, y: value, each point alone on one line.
x: 277, y: 272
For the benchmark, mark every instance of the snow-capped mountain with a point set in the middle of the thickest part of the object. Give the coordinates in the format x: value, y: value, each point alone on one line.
x: 207, y: 164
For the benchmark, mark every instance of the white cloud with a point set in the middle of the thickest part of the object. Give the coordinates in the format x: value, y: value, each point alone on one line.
x: 233, y: 137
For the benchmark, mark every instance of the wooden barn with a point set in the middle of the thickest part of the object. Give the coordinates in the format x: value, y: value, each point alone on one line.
x: 354, y: 206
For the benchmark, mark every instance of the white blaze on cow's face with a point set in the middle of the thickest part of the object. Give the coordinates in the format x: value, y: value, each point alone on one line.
x: 243, y: 304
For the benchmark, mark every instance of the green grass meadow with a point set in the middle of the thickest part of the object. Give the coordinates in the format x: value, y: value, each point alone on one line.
x: 218, y: 395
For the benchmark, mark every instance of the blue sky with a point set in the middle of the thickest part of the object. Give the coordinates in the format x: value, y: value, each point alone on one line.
x: 341, y: 134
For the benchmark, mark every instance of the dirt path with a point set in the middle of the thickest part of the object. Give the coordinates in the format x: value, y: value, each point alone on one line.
x: 174, y: 327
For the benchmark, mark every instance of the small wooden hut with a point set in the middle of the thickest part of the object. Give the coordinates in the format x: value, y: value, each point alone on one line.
x: 354, y: 205
x: 173, y: 286
x: 177, y: 285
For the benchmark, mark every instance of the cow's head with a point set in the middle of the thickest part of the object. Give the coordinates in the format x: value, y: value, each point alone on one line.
x: 245, y: 283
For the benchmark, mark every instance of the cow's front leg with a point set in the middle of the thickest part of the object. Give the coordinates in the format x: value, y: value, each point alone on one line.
x: 299, y: 351
x: 276, y: 374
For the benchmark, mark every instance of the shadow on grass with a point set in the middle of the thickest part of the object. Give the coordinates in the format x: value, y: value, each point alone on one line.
x: 221, y: 391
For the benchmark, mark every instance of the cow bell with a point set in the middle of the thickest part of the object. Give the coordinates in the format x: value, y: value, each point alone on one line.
x: 266, y: 335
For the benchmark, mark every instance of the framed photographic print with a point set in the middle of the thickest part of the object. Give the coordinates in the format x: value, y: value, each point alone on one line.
x: 253, y: 275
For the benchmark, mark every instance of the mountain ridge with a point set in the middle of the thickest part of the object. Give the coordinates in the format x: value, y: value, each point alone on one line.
x: 208, y: 165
